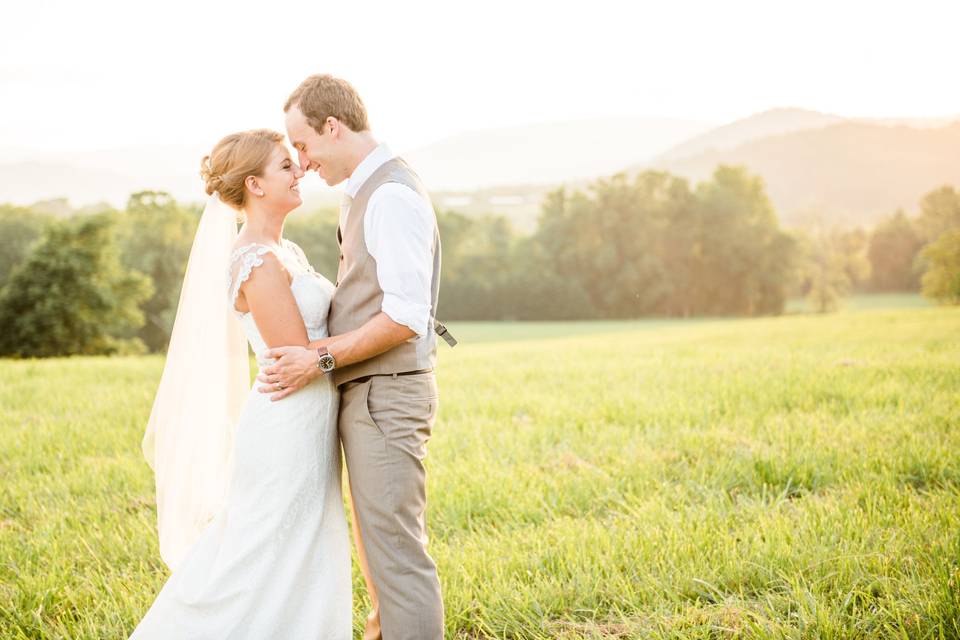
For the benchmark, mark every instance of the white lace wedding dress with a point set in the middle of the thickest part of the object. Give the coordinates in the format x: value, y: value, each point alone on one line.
x: 275, y: 562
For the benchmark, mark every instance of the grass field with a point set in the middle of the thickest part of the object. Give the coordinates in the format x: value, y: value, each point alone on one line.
x: 794, y: 477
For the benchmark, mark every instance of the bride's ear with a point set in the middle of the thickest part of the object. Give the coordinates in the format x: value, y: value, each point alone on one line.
x: 250, y: 182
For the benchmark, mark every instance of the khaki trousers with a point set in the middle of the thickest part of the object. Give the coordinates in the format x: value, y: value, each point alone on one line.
x: 385, y: 423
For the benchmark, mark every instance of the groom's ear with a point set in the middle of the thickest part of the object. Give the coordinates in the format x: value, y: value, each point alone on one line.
x: 332, y: 126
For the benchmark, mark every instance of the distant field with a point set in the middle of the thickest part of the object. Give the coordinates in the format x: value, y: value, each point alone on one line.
x: 792, y: 477
x: 864, y: 301
x: 474, y: 332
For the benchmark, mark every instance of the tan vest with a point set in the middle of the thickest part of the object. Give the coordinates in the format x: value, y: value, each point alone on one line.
x: 358, y: 297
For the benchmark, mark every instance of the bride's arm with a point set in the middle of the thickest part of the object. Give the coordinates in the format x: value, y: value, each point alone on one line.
x: 269, y: 299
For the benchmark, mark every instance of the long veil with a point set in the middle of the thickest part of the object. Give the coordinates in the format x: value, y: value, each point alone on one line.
x: 189, y: 437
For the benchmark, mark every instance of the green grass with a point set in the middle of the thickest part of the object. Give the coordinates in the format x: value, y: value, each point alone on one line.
x: 794, y: 477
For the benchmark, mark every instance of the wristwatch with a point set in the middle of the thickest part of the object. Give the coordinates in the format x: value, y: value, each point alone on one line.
x: 325, y: 361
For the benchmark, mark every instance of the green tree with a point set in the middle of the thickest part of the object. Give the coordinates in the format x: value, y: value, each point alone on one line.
x: 854, y: 244
x: 155, y: 236
x: 72, y: 295
x: 533, y: 290
x: 479, y: 267
x: 743, y: 259
x: 608, y: 243
x: 619, y: 231
x: 939, y: 212
x: 648, y: 245
x: 941, y: 281
x: 680, y: 244
x: 834, y: 261
x: 20, y: 228
x: 893, y: 249
x: 316, y: 233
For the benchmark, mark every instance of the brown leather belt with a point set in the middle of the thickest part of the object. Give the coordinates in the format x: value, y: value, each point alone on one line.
x: 363, y: 379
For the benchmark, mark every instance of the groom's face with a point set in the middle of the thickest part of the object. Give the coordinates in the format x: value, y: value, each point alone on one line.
x: 315, y: 152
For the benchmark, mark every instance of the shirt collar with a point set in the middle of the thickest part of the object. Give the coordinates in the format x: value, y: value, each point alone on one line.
x: 374, y: 160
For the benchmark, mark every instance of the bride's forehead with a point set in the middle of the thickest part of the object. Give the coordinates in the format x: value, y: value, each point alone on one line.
x: 280, y: 152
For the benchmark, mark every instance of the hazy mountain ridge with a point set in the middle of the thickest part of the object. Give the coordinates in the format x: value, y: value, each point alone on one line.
x: 110, y: 175
x: 546, y: 153
x: 852, y: 172
x: 27, y: 182
x: 766, y: 123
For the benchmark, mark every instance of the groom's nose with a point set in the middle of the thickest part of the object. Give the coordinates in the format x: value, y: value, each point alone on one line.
x: 304, y: 161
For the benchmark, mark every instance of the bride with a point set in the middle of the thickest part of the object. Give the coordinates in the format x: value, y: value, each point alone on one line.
x: 249, y: 504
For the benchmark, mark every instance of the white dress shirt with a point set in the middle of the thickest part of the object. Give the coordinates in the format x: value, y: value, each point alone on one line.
x: 398, y: 232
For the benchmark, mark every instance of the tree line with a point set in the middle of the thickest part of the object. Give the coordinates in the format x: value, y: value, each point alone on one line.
x: 627, y: 246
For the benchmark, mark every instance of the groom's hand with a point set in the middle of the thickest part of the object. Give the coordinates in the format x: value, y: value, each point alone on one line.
x: 294, y: 368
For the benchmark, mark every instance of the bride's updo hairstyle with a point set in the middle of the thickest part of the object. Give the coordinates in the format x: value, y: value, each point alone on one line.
x: 234, y: 158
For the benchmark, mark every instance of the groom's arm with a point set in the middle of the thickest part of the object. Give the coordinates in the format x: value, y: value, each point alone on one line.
x: 377, y: 336
x: 296, y: 367
x: 398, y: 231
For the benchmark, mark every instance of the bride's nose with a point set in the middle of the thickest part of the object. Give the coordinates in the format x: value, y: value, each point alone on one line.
x: 297, y: 171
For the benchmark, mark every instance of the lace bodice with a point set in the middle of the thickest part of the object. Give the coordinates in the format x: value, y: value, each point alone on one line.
x: 311, y: 290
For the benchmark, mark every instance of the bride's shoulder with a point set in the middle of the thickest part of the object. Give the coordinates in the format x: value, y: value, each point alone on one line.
x: 248, y: 251
x: 249, y: 258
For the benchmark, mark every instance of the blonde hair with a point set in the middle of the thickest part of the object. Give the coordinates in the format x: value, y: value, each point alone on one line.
x: 321, y: 96
x: 235, y: 157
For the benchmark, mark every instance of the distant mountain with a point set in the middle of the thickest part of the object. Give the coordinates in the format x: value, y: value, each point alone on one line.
x: 775, y: 122
x: 916, y: 123
x: 852, y: 172
x: 28, y: 182
x: 94, y: 176
x: 760, y: 125
x: 546, y: 153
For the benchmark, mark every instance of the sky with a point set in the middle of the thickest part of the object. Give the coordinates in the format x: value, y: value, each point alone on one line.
x: 99, y: 75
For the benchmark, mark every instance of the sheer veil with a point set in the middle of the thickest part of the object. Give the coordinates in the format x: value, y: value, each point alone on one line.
x: 189, y: 437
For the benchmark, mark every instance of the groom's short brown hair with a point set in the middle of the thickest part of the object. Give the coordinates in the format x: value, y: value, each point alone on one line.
x: 321, y: 96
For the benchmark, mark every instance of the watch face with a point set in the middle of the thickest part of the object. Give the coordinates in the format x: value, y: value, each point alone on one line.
x: 326, y: 362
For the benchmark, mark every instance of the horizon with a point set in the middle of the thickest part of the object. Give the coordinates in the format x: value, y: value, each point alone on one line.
x: 8, y: 154
x: 108, y: 177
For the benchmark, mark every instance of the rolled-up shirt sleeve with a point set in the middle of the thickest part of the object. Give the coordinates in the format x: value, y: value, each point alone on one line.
x: 398, y: 230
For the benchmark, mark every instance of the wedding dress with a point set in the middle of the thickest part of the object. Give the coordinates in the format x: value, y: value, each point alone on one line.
x: 275, y: 560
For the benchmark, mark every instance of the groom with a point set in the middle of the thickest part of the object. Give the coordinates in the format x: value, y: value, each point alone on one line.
x: 381, y: 352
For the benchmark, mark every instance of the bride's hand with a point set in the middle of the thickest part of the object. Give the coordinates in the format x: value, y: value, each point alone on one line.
x: 294, y: 368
